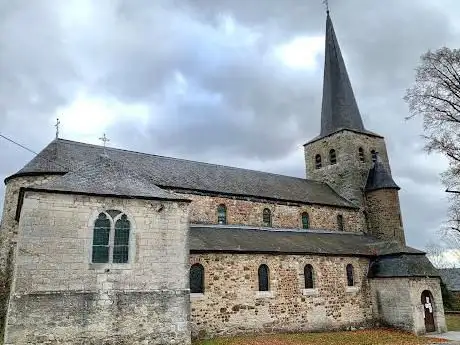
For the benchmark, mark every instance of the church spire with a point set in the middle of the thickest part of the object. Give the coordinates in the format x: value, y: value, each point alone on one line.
x: 339, y: 108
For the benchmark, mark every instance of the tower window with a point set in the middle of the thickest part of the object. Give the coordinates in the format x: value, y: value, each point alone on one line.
x: 318, y: 161
x: 305, y: 220
x: 373, y: 155
x: 111, y: 238
x: 263, y: 274
x: 309, y: 278
x: 197, y: 278
x: 340, y: 222
x: 361, y: 154
x: 332, y: 156
x: 350, y: 275
x: 267, y: 217
x: 222, y: 214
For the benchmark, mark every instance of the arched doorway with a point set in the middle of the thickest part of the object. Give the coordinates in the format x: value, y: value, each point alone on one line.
x: 428, y: 308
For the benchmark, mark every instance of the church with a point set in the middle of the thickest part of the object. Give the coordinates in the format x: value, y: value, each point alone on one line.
x: 108, y: 246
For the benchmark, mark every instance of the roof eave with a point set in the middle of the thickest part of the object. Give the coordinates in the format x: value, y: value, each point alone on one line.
x: 368, y: 133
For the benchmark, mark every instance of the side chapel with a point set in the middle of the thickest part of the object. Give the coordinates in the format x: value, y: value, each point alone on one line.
x: 108, y: 246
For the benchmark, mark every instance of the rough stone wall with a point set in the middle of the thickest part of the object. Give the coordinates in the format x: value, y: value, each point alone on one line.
x: 59, y: 297
x: 203, y: 210
x: 349, y: 175
x: 398, y: 304
x: 231, y: 303
x: 384, y: 215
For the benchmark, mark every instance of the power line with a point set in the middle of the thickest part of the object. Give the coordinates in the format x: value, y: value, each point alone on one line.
x: 18, y: 144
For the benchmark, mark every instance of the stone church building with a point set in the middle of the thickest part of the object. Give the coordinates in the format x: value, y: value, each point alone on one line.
x: 108, y: 246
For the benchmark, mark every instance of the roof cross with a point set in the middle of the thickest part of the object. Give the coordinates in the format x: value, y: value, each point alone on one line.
x: 105, y: 140
x: 326, y: 3
x: 57, y: 127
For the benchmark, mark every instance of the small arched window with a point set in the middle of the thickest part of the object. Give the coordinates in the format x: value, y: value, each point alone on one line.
x: 350, y: 277
x: 267, y: 217
x: 332, y: 156
x: 340, y: 222
x: 373, y: 155
x: 264, y: 278
x: 111, y: 238
x: 222, y: 214
x: 318, y: 161
x: 361, y: 154
x: 309, y: 277
x: 197, y: 278
x: 305, y: 220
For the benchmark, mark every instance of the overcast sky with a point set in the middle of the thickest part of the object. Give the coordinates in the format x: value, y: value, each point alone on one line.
x: 225, y: 81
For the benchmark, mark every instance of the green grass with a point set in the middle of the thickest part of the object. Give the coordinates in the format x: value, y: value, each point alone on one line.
x: 453, y: 322
x: 364, y: 337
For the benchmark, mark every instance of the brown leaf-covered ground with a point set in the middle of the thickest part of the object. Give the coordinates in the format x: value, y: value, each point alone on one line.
x: 364, y: 337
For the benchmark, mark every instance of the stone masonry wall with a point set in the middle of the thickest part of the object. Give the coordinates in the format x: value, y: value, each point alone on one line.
x: 398, y: 302
x: 349, y: 175
x: 60, y: 297
x: 384, y: 214
x: 231, y: 303
x: 203, y: 210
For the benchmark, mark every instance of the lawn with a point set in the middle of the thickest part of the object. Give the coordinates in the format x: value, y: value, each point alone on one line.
x: 453, y: 322
x: 364, y: 337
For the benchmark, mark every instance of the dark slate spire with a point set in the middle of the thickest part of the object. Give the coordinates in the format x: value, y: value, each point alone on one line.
x: 339, y: 109
x: 379, y: 177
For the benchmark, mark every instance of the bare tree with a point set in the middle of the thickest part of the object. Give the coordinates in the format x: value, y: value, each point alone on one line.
x: 435, y: 96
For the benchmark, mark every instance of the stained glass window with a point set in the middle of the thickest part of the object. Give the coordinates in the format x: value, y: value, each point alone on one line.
x: 101, y: 236
x: 350, y: 278
x: 263, y: 274
x: 308, y: 274
x: 267, y: 217
x: 197, y: 278
x: 222, y: 214
x: 305, y: 220
x: 121, y: 240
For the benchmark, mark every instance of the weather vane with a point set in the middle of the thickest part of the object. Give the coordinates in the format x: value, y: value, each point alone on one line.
x: 105, y: 140
x: 57, y: 127
x: 326, y: 3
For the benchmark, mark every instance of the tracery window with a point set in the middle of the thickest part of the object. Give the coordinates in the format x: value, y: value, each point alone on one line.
x: 309, y: 277
x: 318, y: 161
x: 332, y: 156
x: 340, y: 222
x: 222, y: 214
x: 373, y: 155
x: 111, y: 238
x: 267, y: 217
x: 361, y: 154
x: 197, y: 278
x: 350, y: 276
x: 305, y: 220
x: 264, y: 278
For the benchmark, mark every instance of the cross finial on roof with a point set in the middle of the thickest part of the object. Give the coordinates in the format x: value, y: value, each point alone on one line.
x: 105, y: 140
x: 326, y: 3
x: 57, y: 127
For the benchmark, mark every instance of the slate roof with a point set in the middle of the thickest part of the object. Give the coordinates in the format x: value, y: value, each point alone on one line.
x: 246, y: 239
x: 62, y: 156
x: 107, y: 177
x: 379, y: 177
x: 402, y: 265
x: 451, y: 277
x: 339, y: 109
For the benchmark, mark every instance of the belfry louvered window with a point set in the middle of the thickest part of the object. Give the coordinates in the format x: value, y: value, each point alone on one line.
x: 267, y: 217
x: 111, y: 235
x: 361, y: 154
x: 318, y: 163
x: 221, y: 214
x: 340, y: 222
x: 373, y: 155
x: 332, y: 157
x: 305, y: 220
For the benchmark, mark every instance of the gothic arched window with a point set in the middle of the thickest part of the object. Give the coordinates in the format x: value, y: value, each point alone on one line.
x: 373, y: 155
x: 309, y: 277
x: 264, y: 278
x: 361, y: 154
x: 332, y: 156
x: 340, y: 222
x: 267, y: 217
x: 305, y: 220
x: 350, y: 276
x: 222, y: 214
x: 318, y: 161
x: 197, y: 278
x: 111, y: 238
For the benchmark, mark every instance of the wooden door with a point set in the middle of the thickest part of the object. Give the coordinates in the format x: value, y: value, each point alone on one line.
x: 427, y: 302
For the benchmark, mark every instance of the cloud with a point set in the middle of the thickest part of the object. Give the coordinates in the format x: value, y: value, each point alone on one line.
x: 206, y: 80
